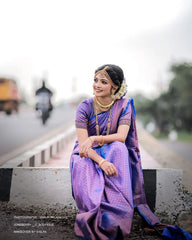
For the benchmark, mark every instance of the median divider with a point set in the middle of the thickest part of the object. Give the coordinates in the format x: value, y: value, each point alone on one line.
x: 42, y: 153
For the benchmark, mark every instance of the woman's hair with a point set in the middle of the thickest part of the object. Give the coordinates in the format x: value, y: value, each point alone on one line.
x: 115, y: 73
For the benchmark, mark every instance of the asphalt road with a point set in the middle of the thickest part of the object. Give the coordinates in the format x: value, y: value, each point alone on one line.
x: 22, y: 131
x: 183, y: 149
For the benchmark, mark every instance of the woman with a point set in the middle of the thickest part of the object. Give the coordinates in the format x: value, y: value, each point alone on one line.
x: 106, y: 174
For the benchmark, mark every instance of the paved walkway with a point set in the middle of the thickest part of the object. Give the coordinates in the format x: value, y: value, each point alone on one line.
x: 62, y: 158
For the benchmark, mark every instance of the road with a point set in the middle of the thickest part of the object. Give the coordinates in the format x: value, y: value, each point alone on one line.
x: 22, y: 131
x: 183, y: 149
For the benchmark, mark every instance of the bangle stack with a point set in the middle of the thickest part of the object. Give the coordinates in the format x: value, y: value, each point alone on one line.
x: 101, y: 162
x: 102, y: 141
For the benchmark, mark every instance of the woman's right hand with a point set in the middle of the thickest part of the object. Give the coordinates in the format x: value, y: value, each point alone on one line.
x: 109, y: 169
x: 85, y: 146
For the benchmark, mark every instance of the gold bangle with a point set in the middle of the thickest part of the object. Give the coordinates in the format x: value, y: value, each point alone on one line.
x: 91, y: 141
x: 102, y: 141
x: 101, y: 162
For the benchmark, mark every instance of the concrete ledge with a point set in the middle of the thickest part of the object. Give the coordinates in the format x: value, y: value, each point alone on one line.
x: 45, y: 187
x: 164, y: 191
x: 42, y: 153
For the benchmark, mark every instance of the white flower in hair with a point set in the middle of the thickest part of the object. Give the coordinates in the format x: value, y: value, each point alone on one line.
x: 122, y: 91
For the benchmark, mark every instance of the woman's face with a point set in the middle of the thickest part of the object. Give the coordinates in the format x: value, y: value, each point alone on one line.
x: 101, y: 86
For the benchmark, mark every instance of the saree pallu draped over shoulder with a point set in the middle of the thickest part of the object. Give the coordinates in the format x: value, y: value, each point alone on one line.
x: 106, y: 204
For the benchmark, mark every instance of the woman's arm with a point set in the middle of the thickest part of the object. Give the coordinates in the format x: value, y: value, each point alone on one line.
x: 84, y: 142
x: 85, y: 150
x: 120, y: 136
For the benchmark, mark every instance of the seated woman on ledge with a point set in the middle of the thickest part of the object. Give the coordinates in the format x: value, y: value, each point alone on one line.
x: 106, y: 173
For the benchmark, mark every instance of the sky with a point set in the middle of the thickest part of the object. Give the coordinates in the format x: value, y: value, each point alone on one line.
x: 65, y: 41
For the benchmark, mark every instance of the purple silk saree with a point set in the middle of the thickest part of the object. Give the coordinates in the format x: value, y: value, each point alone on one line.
x: 106, y: 204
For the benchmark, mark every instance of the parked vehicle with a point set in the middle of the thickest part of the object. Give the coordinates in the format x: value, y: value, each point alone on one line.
x: 9, y: 96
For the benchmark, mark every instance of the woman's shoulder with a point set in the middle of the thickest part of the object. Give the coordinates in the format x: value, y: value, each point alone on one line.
x: 86, y: 102
x: 85, y: 105
x: 124, y: 104
x: 124, y: 101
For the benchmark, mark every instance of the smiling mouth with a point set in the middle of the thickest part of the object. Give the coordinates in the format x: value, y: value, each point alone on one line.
x: 98, y: 90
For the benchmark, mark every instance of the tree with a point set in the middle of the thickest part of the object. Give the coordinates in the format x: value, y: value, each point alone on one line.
x: 181, y: 97
x: 172, y: 109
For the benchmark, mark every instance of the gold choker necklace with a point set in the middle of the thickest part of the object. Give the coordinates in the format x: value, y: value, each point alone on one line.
x: 104, y: 106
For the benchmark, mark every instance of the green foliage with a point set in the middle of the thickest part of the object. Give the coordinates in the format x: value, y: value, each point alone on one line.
x: 144, y: 108
x: 185, y: 136
x: 172, y: 109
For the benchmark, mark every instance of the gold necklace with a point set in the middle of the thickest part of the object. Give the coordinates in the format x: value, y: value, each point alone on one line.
x: 108, y: 123
x: 104, y: 106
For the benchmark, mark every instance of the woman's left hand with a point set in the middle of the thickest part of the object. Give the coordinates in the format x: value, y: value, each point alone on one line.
x: 85, y: 146
x: 109, y: 168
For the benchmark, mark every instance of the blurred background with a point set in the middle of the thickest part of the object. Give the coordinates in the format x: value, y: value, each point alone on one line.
x: 61, y: 43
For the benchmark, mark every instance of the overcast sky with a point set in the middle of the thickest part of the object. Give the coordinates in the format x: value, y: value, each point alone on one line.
x: 65, y: 41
